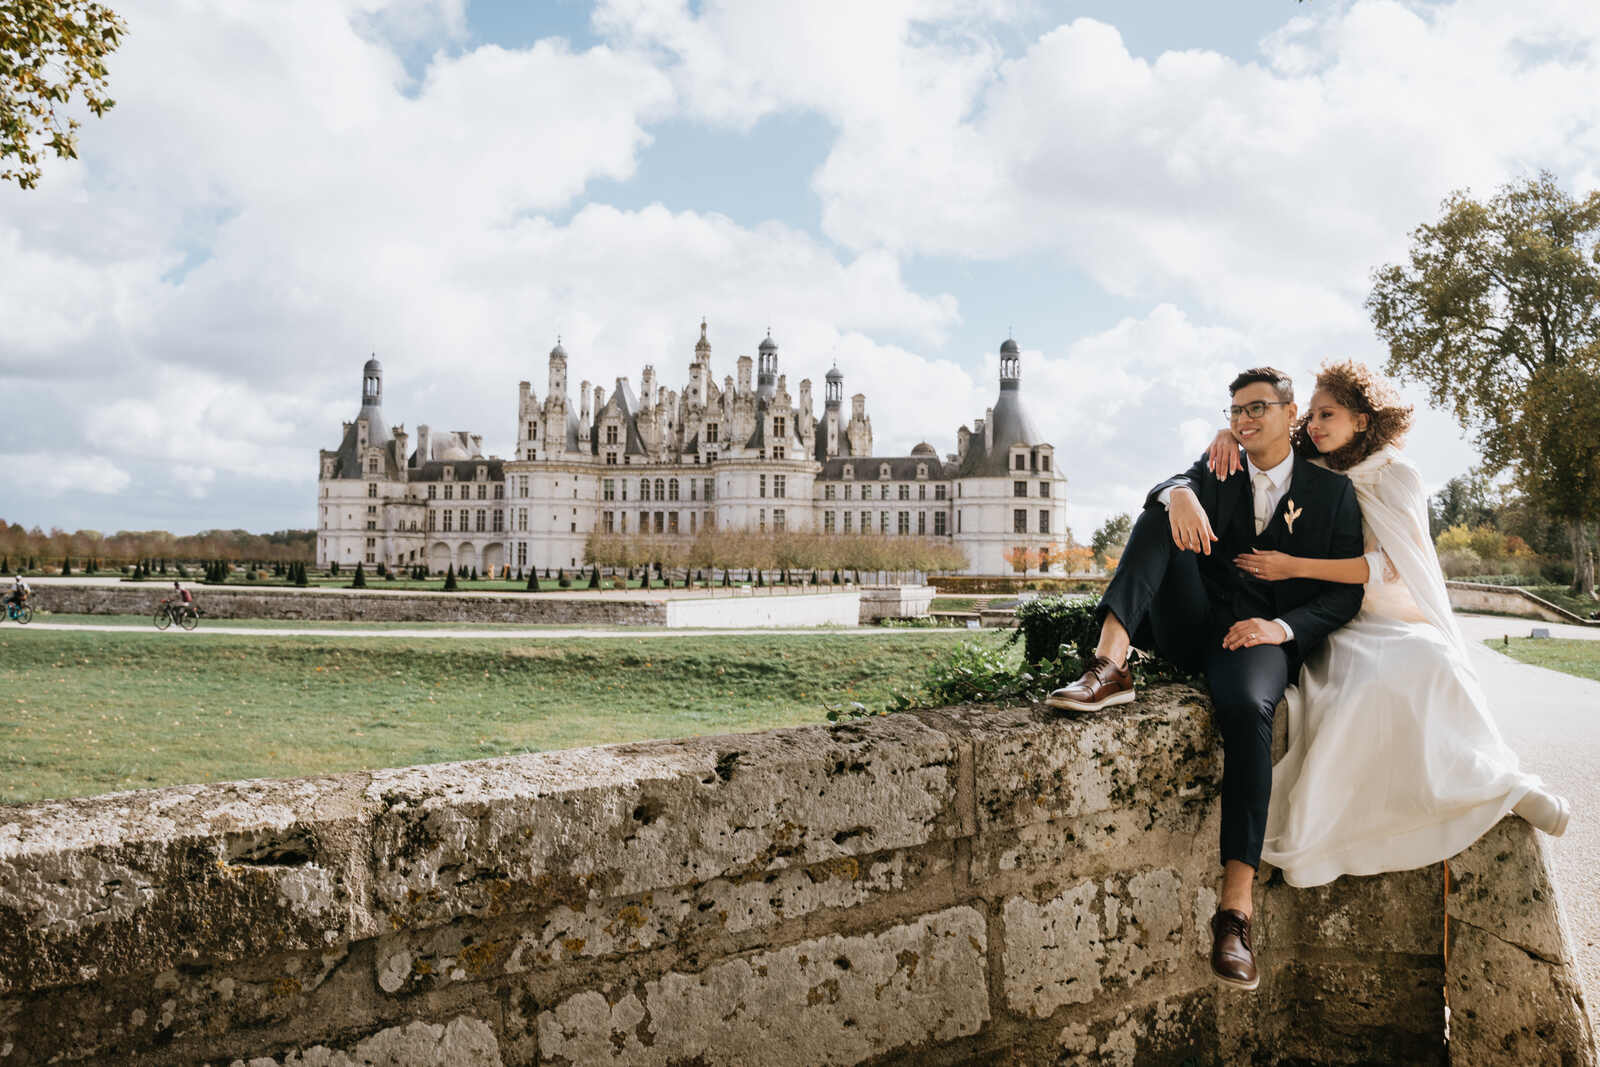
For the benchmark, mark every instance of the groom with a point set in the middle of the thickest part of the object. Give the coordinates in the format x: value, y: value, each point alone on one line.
x: 1178, y: 591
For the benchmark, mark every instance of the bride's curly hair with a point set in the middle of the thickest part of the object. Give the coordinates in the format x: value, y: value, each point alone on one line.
x: 1355, y: 387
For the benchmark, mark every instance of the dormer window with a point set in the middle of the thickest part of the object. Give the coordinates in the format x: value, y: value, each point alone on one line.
x: 711, y: 433
x: 533, y: 431
x: 777, y: 426
x: 922, y: 470
x: 483, y: 472
x: 849, y: 470
x: 1020, y: 461
x: 883, y: 471
x: 611, y: 434
x: 372, y: 465
x: 449, y: 472
x: 1044, y: 461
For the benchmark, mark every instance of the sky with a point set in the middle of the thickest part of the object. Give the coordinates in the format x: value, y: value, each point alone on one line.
x: 1149, y: 197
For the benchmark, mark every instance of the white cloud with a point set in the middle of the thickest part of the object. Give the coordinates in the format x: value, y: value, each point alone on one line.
x: 53, y: 474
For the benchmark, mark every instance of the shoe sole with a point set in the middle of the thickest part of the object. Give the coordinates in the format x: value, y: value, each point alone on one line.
x: 1235, y: 982
x: 1126, y: 697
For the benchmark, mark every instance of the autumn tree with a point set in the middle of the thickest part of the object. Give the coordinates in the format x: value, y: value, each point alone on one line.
x: 1112, y: 535
x: 50, y: 52
x: 1497, y: 313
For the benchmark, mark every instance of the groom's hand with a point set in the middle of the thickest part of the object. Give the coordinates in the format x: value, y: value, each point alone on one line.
x: 1247, y: 633
x: 1191, y: 530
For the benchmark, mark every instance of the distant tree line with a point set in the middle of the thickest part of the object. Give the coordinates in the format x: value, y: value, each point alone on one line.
x: 798, y: 550
x: 132, y: 547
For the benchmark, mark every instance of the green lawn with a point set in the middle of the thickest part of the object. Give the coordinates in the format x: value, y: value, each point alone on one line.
x: 1573, y: 656
x: 93, y: 712
x: 143, y: 622
x: 1561, y: 597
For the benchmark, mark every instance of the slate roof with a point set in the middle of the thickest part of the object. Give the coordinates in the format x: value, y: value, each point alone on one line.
x: 347, y: 457
x: 463, y: 470
x: 901, y: 468
x: 1011, y: 427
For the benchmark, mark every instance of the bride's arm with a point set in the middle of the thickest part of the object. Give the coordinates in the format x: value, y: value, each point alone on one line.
x: 1276, y: 566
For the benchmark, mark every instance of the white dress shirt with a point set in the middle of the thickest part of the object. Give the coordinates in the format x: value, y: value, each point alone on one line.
x: 1277, y: 484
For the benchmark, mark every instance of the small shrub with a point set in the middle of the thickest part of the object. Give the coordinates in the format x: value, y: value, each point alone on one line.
x: 1459, y: 562
x: 449, y: 580
x: 562, y: 580
x: 533, y: 580
x: 359, y: 581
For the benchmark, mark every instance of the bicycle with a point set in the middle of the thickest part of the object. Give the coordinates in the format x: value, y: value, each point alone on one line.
x: 185, y: 615
x: 22, y: 613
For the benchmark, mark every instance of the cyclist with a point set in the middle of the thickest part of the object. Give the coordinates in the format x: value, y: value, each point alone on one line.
x: 19, y: 591
x: 183, y: 600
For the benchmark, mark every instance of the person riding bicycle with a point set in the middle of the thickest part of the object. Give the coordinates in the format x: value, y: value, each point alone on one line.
x: 183, y: 600
x: 19, y: 591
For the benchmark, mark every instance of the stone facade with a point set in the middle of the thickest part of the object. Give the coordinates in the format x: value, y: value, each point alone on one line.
x: 968, y: 885
x: 745, y: 454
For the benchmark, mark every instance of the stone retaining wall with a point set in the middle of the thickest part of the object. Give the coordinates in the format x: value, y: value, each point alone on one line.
x: 710, y: 608
x: 1509, y: 600
x: 970, y: 885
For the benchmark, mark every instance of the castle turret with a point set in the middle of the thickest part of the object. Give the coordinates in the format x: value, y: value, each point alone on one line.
x: 767, y: 374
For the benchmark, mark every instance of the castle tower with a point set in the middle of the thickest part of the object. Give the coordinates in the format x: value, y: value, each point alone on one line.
x: 767, y: 372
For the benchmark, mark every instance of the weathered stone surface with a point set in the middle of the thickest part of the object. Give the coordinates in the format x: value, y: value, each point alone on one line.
x: 462, y: 1042
x: 1092, y: 937
x: 1036, y: 764
x: 831, y: 1000
x: 1501, y: 883
x: 959, y: 886
x: 564, y: 827
x: 1176, y: 1030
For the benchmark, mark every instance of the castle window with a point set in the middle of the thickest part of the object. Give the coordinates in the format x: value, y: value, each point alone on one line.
x: 922, y: 470
x: 1044, y: 521
x: 499, y: 490
x: 1044, y: 488
x: 849, y: 472
x: 372, y: 509
x: 372, y: 488
x: 847, y: 492
x: 905, y: 492
x: 938, y: 492
x: 533, y: 431
x: 778, y: 481
x: 1044, y: 461
x: 522, y: 518
x: 483, y: 472
x: 904, y: 520
x: 777, y: 519
x: 481, y: 521
x: 1022, y: 462
x: 711, y: 457
x: 661, y: 489
x: 711, y: 486
x: 827, y: 492
x: 431, y: 516
x: 922, y: 492
x: 847, y: 516
x: 922, y: 523
x: 483, y: 492
x: 449, y: 472
x: 827, y: 522
x: 522, y: 485
x: 763, y: 486
x: 1019, y: 521
x: 608, y: 489
x: 762, y: 520
x: 883, y: 522
x: 449, y: 492
x: 499, y: 520
x: 883, y: 471
x: 778, y: 427
x: 464, y: 520
x: 711, y: 433
x: 938, y: 523
x: 661, y: 522
x: 644, y: 488
x: 372, y: 465
x: 449, y: 521
x: 777, y: 451
x: 694, y: 488
x: 611, y: 459
x: 672, y: 522
x: 611, y: 434
x: 672, y: 489
x: 608, y: 521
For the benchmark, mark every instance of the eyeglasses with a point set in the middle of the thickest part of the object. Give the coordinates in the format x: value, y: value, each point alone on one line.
x: 1255, y: 409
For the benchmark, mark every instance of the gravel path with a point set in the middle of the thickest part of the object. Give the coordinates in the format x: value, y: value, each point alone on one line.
x: 208, y: 628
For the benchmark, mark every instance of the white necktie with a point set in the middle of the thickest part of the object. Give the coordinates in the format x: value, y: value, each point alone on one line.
x: 1263, y: 501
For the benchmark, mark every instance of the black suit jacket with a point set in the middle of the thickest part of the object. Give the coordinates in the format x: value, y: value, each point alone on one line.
x: 1328, y: 526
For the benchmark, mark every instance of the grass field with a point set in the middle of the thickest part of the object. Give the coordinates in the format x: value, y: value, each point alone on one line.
x: 87, y: 712
x: 1575, y: 656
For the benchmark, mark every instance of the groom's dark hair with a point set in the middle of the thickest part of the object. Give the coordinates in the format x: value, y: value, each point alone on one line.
x: 1271, y: 376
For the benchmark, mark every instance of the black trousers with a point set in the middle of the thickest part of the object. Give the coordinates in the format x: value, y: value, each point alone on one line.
x: 1159, y: 598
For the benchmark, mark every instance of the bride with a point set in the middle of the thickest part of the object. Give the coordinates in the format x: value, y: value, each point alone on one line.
x: 1394, y: 760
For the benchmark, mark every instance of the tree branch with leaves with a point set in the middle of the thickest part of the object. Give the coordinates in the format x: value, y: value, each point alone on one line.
x: 50, y: 52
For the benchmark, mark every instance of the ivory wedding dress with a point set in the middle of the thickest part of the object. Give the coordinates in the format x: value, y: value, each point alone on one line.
x: 1394, y: 761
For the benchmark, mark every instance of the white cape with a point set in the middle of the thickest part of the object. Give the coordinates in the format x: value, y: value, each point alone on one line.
x: 1394, y: 761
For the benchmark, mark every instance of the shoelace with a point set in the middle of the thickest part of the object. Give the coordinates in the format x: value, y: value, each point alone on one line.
x: 1228, y: 923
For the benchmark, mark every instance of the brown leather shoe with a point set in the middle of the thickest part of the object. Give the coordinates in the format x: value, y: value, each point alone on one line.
x: 1232, y: 959
x: 1103, y: 685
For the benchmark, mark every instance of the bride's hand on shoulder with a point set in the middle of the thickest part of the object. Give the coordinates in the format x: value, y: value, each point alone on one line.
x: 1268, y: 566
x: 1222, y: 456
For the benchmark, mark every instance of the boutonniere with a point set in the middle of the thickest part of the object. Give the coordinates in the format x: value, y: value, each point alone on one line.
x: 1290, y: 514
